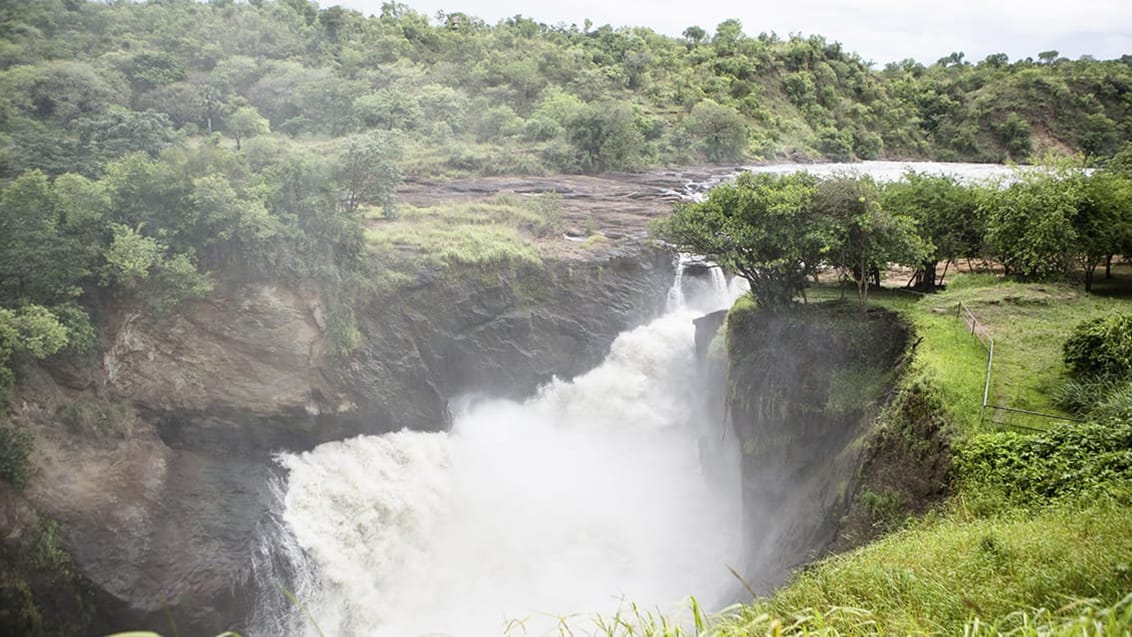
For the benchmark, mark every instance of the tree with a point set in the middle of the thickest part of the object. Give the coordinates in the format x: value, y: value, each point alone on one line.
x: 695, y: 35
x: 245, y: 122
x: 137, y: 263
x: 606, y: 137
x: 763, y: 227
x: 1014, y: 132
x: 1103, y: 221
x: 720, y: 131
x: 867, y: 235
x: 120, y: 131
x: 30, y: 331
x: 1121, y: 162
x: 1030, y: 223
x: 38, y: 263
x: 367, y: 171
x: 946, y: 216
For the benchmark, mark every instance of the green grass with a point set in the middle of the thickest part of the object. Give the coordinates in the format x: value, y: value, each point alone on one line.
x: 942, y: 574
x: 1029, y: 323
x: 479, y: 234
x: 951, y: 362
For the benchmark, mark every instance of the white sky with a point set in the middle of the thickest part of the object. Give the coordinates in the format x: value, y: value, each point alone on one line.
x: 879, y: 30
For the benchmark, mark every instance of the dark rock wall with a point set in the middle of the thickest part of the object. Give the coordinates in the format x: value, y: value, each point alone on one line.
x: 804, y: 389
x: 500, y: 334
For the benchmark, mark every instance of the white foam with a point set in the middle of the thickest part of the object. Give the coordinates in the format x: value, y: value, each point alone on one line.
x: 590, y: 494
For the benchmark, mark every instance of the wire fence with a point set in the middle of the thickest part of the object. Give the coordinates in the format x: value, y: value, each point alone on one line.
x: 983, y: 336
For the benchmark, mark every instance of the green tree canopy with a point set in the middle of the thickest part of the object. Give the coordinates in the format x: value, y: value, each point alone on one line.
x: 763, y: 227
x: 947, y: 218
x: 867, y: 235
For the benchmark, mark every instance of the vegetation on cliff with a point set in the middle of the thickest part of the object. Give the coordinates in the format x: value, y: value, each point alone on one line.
x: 151, y: 150
x: 148, y: 150
x: 1035, y: 534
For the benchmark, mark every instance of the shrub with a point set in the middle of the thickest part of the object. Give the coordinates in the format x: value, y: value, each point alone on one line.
x: 1068, y: 461
x: 1101, y: 348
x: 15, y: 446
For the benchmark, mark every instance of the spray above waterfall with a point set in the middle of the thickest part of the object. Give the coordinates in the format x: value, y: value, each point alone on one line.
x: 596, y: 492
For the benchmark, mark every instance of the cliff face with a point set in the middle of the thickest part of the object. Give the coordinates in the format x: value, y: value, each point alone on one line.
x: 804, y: 389
x: 156, y: 458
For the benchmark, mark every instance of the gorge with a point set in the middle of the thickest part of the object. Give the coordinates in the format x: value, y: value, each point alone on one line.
x: 180, y: 512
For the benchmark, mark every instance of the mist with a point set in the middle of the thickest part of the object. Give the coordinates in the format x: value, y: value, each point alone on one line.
x: 609, y: 490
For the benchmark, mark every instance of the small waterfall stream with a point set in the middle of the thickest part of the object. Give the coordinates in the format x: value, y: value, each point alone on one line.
x: 591, y: 495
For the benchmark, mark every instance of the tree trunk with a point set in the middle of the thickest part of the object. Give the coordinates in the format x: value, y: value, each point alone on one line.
x: 1108, y: 267
x: 863, y: 287
x: 927, y: 281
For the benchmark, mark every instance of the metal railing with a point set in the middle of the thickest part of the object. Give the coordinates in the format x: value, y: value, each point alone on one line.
x: 983, y: 336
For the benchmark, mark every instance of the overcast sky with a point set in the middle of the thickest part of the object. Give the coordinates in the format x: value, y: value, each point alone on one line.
x: 879, y: 30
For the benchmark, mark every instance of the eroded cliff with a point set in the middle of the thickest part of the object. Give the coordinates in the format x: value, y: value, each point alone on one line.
x: 804, y: 390
x: 155, y: 458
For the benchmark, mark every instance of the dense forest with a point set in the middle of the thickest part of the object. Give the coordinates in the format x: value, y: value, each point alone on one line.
x: 85, y: 83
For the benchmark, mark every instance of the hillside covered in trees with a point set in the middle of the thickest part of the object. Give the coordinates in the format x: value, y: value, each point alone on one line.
x: 85, y: 82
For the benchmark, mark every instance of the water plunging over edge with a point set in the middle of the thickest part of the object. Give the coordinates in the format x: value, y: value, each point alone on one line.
x: 594, y: 493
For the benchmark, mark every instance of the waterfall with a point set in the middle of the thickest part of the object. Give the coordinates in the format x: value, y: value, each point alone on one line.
x: 676, y: 300
x: 593, y: 494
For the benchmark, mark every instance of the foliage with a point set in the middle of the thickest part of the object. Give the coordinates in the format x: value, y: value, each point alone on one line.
x: 15, y: 446
x: 368, y: 171
x: 286, y: 65
x: 42, y: 593
x: 1100, y: 348
x: 1084, y: 461
x: 40, y: 260
x: 866, y: 235
x: 775, y: 231
x: 1014, y: 133
x: 29, y: 332
x: 1030, y: 223
x: 763, y: 227
x: 1103, y: 221
x: 946, y: 215
x: 719, y: 131
x: 1040, y: 522
x: 245, y: 122
x: 606, y: 137
x: 938, y: 576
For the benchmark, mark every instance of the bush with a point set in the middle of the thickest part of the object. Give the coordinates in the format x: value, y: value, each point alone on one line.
x: 1068, y: 461
x: 1101, y: 348
x: 15, y: 446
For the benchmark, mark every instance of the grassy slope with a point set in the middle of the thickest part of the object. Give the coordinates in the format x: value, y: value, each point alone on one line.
x: 939, y: 574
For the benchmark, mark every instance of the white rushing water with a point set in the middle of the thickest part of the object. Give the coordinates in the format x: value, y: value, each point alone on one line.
x: 594, y: 494
x: 894, y: 170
